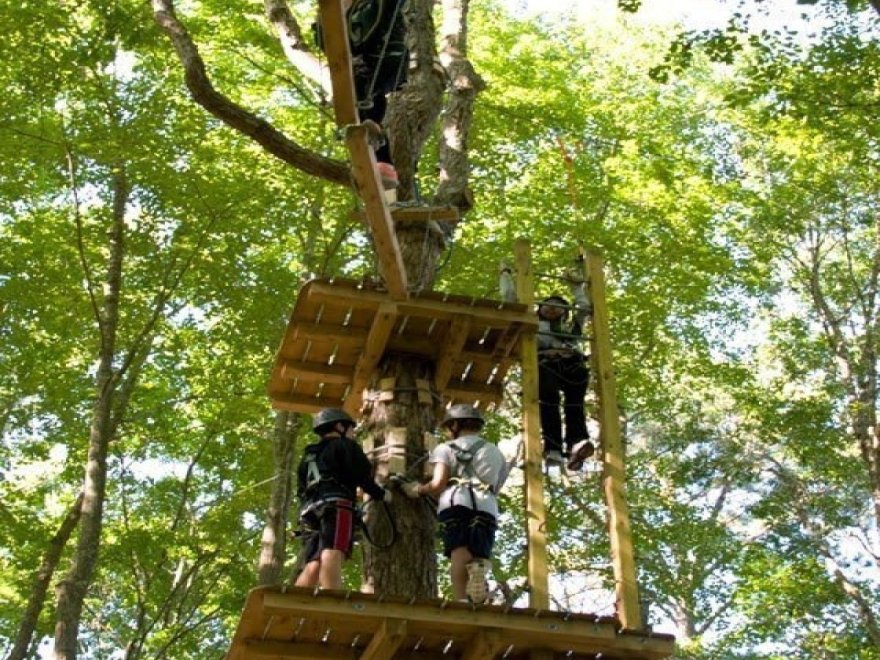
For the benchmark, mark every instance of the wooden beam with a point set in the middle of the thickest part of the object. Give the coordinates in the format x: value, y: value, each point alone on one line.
x: 335, y: 33
x: 276, y: 650
x: 447, y: 214
x: 316, y: 372
x: 322, y: 292
x: 383, y: 324
x: 470, y: 392
x: 366, y: 176
x: 329, y: 333
x: 536, y: 515
x: 622, y: 556
x: 386, y: 640
x: 302, y: 403
x: 452, y: 345
x: 550, y: 630
x: 485, y: 645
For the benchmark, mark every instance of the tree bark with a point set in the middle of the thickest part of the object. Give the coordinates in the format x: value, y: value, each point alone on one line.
x: 71, y: 591
x: 274, y: 542
x: 466, y: 84
x: 413, y: 111
x: 42, y: 578
x: 409, y: 567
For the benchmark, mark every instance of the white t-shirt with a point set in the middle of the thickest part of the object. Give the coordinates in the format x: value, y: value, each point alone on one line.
x: 487, y: 465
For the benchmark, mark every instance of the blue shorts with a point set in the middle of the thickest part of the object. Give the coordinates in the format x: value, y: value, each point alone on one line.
x: 462, y: 527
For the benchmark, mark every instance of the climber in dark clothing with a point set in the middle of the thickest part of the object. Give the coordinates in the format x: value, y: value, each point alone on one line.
x: 328, y: 477
x: 563, y: 377
x: 380, y: 63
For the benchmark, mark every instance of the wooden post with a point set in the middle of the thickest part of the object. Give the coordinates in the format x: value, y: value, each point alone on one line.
x: 539, y: 597
x: 335, y: 35
x: 622, y: 557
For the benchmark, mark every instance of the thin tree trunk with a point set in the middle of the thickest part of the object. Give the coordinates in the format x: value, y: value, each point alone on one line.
x: 42, y: 578
x: 71, y: 591
x: 457, y: 119
x: 274, y: 542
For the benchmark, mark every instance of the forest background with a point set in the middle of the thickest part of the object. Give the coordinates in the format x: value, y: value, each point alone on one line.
x: 150, y: 255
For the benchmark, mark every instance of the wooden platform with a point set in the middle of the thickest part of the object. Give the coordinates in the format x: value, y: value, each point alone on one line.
x: 302, y: 623
x: 417, y: 214
x: 339, y: 331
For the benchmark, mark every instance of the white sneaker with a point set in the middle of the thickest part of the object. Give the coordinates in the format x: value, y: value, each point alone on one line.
x: 554, y: 457
x: 579, y: 453
x: 477, y: 586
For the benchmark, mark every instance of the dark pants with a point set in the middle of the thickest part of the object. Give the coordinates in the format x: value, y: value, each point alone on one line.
x: 390, y: 74
x: 558, y: 379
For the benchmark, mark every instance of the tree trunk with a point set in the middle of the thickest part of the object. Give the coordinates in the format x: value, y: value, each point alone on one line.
x: 409, y: 567
x: 71, y: 591
x: 43, y: 576
x: 274, y: 542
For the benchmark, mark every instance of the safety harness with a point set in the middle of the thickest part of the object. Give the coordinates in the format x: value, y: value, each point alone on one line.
x: 321, y: 487
x: 468, y: 478
x: 322, y: 491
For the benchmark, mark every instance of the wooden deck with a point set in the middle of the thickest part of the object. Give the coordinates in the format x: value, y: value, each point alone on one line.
x: 319, y: 625
x: 339, y: 330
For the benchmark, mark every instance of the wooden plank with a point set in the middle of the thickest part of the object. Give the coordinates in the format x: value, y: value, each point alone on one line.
x: 316, y: 372
x: 386, y: 641
x: 332, y: 334
x: 471, y: 392
x: 485, y: 645
x: 383, y: 324
x: 536, y: 515
x: 335, y: 33
x: 366, y: 176
x: 528, y: 630
x: 448, y: 214
x: 452, y: 345
x: 301, y: 403
x: 622, y: 556
x: 256, y: 648
x: 427, y: 307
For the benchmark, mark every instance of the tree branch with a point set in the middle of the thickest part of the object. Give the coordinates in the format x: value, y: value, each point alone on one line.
x: 295, y: 47
x: 233, y: 115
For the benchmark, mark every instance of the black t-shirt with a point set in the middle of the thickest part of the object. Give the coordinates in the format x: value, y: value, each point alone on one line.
x: 343, y: 466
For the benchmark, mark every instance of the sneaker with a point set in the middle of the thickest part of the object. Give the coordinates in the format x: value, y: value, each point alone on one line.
x: 388, y: 175
x: 554, y: 457
x: 579, y: 453
x: 477, y: 586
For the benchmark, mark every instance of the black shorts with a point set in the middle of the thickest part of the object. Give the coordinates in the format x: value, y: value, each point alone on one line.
x: 461, y: 526
x: 329, y: 527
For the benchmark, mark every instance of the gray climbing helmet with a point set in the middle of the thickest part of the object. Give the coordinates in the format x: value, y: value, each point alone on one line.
x: 324, y: 420
x: 463, y: 411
